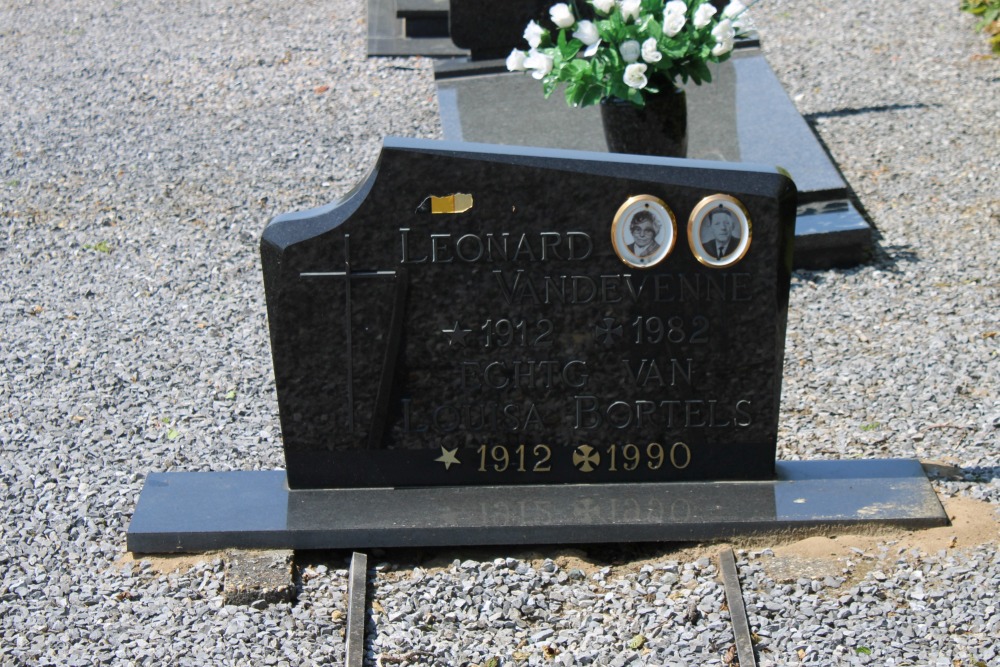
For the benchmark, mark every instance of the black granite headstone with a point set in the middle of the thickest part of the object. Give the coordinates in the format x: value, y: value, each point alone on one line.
x: 490, y: 29
x: 476, y: 314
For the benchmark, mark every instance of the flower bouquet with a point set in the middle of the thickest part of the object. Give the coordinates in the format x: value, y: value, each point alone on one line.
x: 627, y: 49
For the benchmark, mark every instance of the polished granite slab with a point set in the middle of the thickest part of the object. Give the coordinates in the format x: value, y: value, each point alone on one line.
x: 200, y: 511
x: 410, y: 28
x: 743, y: 116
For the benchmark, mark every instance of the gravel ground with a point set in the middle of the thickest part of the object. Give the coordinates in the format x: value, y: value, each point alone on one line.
x: 143, y: 146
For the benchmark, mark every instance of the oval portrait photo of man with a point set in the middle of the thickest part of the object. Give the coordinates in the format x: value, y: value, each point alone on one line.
x: 644, y: 231
x: 719, y: 231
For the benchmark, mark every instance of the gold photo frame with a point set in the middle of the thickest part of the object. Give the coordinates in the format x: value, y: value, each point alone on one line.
x: 719, y: 231
x: 644, y: 231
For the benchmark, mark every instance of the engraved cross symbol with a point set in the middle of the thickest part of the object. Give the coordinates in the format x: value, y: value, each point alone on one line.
x: 586, y: 458
x: 392, y: 346
x: 608, y: 331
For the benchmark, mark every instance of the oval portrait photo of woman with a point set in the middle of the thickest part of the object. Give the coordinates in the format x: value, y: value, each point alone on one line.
x: 644, y: 231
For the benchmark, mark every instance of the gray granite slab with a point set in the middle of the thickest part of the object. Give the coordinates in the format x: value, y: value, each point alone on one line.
x: 199, y: 511
x: 388, y: 33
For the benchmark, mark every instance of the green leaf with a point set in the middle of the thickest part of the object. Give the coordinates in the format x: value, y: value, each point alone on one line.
x: 573, y: 95
x: 231, y: 394
x: 592, y: 95
x: 173, y: 434
x: 654, y: 29
x: 701, y: 72
x: 637, y: 642
x: 578, y: 68
x: 863, y: 650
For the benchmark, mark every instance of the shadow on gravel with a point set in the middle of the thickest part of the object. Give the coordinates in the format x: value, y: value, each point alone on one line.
x: 884, y: 258
x: 592, y: 555
x: 880, y: 108
x: 973, y: 474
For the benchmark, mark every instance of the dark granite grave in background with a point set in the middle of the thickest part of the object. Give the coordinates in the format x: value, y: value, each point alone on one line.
x: 744, y: 115
x: 490, y: 29
x: 410, y: 28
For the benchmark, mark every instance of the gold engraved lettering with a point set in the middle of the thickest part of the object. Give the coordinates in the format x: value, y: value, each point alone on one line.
x: 680, y: 455
x: 543, y: 454
x: 500, y: 458
x: 655, y: 454
x: 630, y: 453
x: 520, y: 458
x: 629, y: 457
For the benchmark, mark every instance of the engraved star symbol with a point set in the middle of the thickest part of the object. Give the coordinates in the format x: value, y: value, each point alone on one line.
x: 608, y: 331
x: 456, y: 334
x: 448, y: 457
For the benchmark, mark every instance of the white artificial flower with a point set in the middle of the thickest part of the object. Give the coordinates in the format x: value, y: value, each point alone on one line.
x: 603, y: 6
x: 722, y: 48
x: 703, y: 15
x: 562, y: 15
x: 630, y: 9
x: 674, y: 17
x: 650, y: 53
x: 724, y: 35
x: 515, y: 61
x: 733, y: 9
x: 587, y: 33
x: 630, y: 50
x: 533, y: 34
x: 540, y: 63
x: 673, y: 24
x: 724, y: 31
x: 635, y: 76
x: 675, y: 7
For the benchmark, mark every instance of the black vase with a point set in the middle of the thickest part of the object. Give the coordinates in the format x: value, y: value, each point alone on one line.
x: 659, y: 128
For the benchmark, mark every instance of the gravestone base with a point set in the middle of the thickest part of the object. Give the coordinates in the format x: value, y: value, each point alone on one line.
x: 200, y: 511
